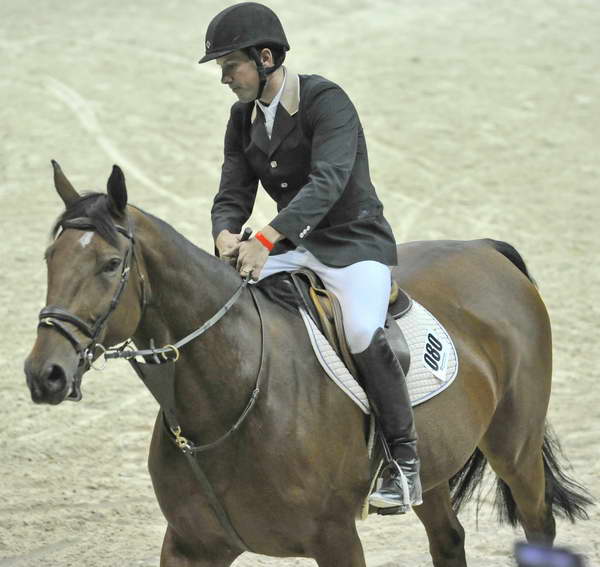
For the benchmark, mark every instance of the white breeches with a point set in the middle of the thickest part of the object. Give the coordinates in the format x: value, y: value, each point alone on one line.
x: 363, y: 290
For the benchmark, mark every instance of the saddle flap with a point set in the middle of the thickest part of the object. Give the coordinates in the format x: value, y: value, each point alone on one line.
x: 304, y: 288
x: 325, y: 312
x: 328, y: 312
x: 330, y: 320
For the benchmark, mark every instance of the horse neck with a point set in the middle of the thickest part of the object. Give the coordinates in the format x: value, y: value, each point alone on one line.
x: 187, y: 287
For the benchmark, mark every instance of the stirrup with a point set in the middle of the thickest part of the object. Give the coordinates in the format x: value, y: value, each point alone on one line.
x: 395, y: 494
x: 394, y: 491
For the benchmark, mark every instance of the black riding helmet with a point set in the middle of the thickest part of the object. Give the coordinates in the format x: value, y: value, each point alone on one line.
x: 246, y: 26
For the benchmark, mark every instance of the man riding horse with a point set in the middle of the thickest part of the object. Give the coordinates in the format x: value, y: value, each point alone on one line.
x: 301, y: 137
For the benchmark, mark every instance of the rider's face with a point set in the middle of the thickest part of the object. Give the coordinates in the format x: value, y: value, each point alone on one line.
x: 239, y: 73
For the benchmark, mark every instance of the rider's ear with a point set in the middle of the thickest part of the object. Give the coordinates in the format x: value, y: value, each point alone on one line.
x: 63, y: 185
x: 266, y: 55
x: 117, y: 190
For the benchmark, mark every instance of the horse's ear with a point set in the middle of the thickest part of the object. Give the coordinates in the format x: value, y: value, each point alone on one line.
x: 117, y: 190
x: 63, y: 185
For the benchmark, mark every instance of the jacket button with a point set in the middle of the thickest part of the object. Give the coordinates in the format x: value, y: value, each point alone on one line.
x: 284, y: 185
x: 273, y: 164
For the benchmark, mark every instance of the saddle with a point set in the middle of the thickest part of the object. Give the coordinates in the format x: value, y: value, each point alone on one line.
x: 324, y: 308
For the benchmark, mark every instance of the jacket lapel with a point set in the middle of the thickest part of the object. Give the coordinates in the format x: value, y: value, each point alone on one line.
x: 285, y: 119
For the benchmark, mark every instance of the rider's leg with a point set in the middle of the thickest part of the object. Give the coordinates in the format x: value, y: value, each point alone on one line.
x: 363, y: 290
x: 286, y: 262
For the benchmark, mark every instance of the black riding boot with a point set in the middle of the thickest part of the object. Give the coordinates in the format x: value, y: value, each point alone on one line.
x: 385, y: 384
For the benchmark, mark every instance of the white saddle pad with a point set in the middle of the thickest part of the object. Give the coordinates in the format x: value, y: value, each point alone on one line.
x: 433, y: 358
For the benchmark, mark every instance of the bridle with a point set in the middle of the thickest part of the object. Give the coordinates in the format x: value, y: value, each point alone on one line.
x: 55, y: 316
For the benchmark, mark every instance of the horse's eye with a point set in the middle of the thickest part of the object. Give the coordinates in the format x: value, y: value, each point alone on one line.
x: 112, y: 265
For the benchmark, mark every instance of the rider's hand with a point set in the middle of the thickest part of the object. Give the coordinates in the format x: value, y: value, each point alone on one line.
x: 251, y: 258
x: 228, y: 244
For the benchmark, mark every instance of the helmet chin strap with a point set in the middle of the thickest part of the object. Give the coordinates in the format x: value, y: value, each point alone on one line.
x: 263, y: 72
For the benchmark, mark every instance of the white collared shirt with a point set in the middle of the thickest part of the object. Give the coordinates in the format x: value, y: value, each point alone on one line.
x: 271, y: 110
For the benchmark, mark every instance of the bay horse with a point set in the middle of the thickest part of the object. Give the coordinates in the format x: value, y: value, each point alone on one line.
x: 293, y: 476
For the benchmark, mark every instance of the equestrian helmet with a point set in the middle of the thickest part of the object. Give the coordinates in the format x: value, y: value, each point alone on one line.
x: 241, y: 26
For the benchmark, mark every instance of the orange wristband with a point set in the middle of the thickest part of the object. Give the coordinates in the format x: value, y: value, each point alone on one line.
x: 264, y: 241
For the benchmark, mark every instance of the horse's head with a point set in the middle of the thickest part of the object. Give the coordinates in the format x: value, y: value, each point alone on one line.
x: 91, y: 300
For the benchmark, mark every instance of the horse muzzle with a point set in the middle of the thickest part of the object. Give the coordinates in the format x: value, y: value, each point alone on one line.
x: 52, y: 382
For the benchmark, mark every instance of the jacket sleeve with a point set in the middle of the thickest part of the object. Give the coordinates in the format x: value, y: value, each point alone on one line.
x: 233, y: 204
x: 335, y: 125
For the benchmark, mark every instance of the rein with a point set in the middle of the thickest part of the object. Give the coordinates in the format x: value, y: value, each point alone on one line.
x: 153, y: 352
x: 187, y: 446
x: 158, y: 375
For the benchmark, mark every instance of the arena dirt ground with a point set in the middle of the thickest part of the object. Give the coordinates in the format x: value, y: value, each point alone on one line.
x: 482, y: 120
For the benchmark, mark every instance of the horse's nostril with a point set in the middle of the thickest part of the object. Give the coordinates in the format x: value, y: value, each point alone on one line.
x: 56, y: 375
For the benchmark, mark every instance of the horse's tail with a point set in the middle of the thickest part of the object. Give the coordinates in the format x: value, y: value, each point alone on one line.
x: 466, y: 480
x: 510, y: 252
x: 566, y: 497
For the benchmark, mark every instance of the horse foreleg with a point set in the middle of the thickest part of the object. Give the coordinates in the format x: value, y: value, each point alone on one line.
x: 446, y: 535
x: 338, y: 544
x: 176, y: 553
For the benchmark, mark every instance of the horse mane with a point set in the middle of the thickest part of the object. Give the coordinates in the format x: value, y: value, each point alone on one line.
x: 98, y: 208
x: 101, y: 212
x: 181, y: 240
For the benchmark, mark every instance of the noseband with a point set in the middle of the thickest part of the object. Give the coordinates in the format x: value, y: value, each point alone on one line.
x: 55, y: 316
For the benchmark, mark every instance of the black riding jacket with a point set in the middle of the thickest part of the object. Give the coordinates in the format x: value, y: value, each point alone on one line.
x: 316, y: 168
